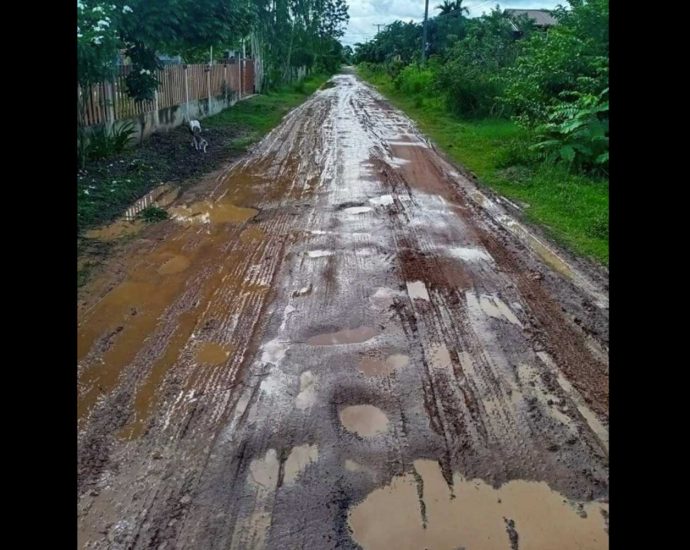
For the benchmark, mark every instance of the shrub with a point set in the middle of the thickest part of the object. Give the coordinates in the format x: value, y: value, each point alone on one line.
x: 102, y: 143
x: 415, y: 80
x: 577, y: 132
x: 153, y: 214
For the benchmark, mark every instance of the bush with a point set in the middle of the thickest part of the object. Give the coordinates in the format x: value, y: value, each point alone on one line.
x: 469, y: 91
x: 570, y: 57
x: 470, y: 76
x: 414, y: 80
x: 577, y: 132
x: 152, y: 214
x: 101, y: 143
x: 516, y: 152
x: 394, y: 67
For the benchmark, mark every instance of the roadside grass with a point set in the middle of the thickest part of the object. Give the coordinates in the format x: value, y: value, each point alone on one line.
x: 262, y: 113
x: 572, y: 208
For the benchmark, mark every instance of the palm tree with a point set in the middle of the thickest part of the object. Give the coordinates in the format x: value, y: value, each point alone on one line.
x: 452, y: 7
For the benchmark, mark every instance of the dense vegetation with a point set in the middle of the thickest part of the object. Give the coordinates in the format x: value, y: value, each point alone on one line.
x: 285, y: 34
x: 544, y: 93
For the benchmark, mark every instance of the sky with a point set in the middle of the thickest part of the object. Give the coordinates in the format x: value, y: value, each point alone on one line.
x: 365, y: 14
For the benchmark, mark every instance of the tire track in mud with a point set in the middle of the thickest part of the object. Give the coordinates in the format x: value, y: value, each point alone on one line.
x: 190, y: 404
x: 363, y: 326
x: 479, y: 369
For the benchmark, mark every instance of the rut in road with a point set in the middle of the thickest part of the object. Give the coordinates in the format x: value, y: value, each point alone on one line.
x: 341, y: 342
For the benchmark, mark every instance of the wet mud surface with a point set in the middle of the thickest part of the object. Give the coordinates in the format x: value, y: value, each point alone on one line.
x: 340, y: 342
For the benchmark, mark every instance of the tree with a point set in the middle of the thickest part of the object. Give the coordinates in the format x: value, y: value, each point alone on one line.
x: 284, y: 33
x: 144, y: 28
x: 453, y: 8
x: 470, y: 75
x: 298, y: 33
x: 571, y: 58
x: 98, y: 39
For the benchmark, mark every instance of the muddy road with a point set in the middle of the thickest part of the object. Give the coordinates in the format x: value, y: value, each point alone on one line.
x: 341, y: 342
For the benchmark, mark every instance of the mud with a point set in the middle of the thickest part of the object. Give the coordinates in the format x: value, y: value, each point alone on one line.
x: 364, y: 420
x: 421, y: 511
x: 372, y: 366
x: 345, y: 336
x: 341, y: 341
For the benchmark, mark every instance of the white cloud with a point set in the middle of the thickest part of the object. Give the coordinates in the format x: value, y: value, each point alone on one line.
x: 366, y: 14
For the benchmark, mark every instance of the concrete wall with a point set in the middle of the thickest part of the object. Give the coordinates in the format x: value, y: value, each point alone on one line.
x: 172, y: 117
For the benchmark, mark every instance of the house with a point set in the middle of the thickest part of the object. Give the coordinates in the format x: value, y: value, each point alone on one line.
x: 123, y: 60
x: 542, y: 19
x: 169, y: 59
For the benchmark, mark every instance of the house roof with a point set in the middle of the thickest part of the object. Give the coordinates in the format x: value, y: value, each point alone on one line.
x: 541, y: 18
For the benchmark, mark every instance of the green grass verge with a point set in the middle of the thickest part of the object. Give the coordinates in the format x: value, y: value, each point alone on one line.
x: 262, y: 113
x: 572, y: 208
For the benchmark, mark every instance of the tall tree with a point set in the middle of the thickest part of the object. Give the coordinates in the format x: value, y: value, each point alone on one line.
x: 452, y: 7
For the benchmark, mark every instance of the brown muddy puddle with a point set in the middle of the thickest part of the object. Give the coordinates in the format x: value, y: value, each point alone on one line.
x: 122, y: 320
x: 419, y: 511
x: 372, y: 366
x: 110, y: 332
x: 146, y: 393
x: 115, y: 230
x: 345, y: 336
x: 161, y: 196
x: 297, y: 461
x: 212, y: 212
x: 265, y: 471
x: 364, y: 420
x: 210, y: 353
x: 174, y: 264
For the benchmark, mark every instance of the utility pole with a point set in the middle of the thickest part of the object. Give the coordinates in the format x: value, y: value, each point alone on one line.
x: 378, y: 27
x: 426, y: 15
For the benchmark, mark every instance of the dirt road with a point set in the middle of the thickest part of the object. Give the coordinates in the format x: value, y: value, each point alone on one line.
x: 340, y: 342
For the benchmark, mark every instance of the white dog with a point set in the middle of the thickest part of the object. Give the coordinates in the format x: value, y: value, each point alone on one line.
x: 197, y: 141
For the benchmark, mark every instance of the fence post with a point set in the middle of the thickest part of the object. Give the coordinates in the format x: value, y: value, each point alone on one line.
x: 109, y: 106
x: 186, y: 93
x: 239, y: 92
x: 208, y: 83
x: 156, y: 119
x: 244, y: 63
x: 225, y: 81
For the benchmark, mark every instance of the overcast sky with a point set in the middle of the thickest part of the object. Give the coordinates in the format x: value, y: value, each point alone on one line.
x: 365, y: 14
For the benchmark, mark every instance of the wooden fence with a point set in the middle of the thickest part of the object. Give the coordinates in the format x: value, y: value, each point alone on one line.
x: 109, y: 102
